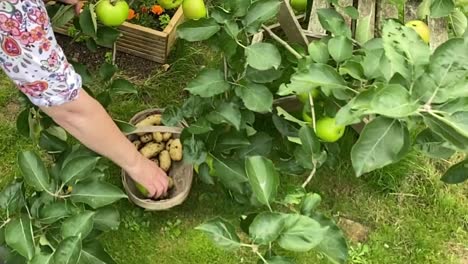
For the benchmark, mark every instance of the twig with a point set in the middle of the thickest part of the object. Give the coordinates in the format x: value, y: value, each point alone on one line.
x: 5, y: 223
x: 114, y: 53
x: 404, y: 194
x: 311, y: 175
x: 312, y: 110
x: 282, y: 42
x: 225, y: 68
x: 261, y: 257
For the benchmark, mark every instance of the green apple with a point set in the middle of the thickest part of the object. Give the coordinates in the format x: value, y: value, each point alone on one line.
x: 304, y: 97
x: 299, y: 5
x: 194, y: 9
x: 170, y: 4
x: 328, y: 130
x: 112, y: 13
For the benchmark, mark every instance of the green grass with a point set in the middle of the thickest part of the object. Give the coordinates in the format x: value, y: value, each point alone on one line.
x: 413, y: 216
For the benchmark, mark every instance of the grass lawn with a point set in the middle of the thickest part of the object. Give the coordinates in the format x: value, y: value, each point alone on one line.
x: 412, y: 216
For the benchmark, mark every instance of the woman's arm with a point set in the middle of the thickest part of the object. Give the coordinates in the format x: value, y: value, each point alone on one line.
x: 87, y: 120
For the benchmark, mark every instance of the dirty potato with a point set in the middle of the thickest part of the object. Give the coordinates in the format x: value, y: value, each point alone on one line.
x: 168, y: 144
x: 167, y: 136
x: 137, y: 144
x: 155, y: 160
x: 158, y: 136
x: 175, y: 150
x: 151, y: 149
x: 165, y: 160
x: 152, y: 120
x: 146, y: 138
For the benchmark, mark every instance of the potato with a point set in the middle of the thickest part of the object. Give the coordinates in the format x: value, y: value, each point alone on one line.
x: 138, y: 144
x: 151, y: 149
x: 175, y: 150
x: 167, y: 136
x: 158, y: 136
x: 168, y: 144
x: 155, y: 160
x: 146, y: 138
x: 170, y: 183
x: 152, y: 120
x: 165, y: 160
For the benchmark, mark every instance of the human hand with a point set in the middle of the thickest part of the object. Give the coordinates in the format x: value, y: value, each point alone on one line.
x: 151, y: 177
x: 77, y: 3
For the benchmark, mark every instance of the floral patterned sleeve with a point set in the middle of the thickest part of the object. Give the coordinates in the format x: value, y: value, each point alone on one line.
x: 31, y: 56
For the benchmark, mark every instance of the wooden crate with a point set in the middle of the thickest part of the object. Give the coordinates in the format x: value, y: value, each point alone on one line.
x: 145, y: 42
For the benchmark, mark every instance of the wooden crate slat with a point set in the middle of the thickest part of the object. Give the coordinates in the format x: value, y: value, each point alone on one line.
x: 385, y: 10
x: 143, y: 46
x: 345, y: 3
x: 136, y: 36
x: 141, y: 30
x: 439, y: 32
x: 130, y: 50
x: 287, y: 19
x: 171, y: 29
x: 411, y: 8
x: 314, y: 24
x: 366, y: 10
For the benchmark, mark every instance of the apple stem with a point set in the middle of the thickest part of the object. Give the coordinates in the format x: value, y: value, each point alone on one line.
x: 312, y: 110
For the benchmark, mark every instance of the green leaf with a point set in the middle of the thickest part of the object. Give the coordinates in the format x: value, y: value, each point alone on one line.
x: 91, y: 45
x: 424, y: 9
x: 382, y: 142
x: 226, y: 112
x: 263, y: 56
x: 433, y: 145
x: 88, y: 22
x: 107, y: 36
x: 267, y: 76
x: 34, y: 171
x: 220, y: 15
x: 194, y: 150
x: 260, y: 12
x: 204, y: 174
x: 340, y: 48
x: 279, y: 260
x: 122, y: 86
x: 441, y: 8
x: 201, y: 126
x: 230, y: 141
x: 19, y: 236
x: 238, y: 8
x: 78, y: 225
x: 172, y: 116
x: 260, y: 144
x: 198, y: 30
x: 317, y: 75
x: 256, y: 97
x: 263, y: 178
x: 457, y: 105
x: 231, y: 173
x: 51, y: 143
x: 232, y: 28
x: 334, y: 244
x: 96, y: 193
x: 452, y: 128
x: 22, y: 122
x: 83, y: 71
x: 353, y: 69
x: 221, y: 232
x: 11, y: 197
x: 78, y: 169
x: 125, y: 127
x: 364, y: 29
x: 68, y: 251
x: 301, y: 233
x: 107, y: 71
x: 106, y: 219
x: 64, y: 14
x: 310, y: 202
x: 318, y: 51
x: 332, y: 21
x: 94, y: 253
x: 352, y: 12
x: 458, y: 21
x: 266, y: 228
x: 405, y: 50
x: 53, y: 212
x: 309, y: 140
x: 208, y: 83
x: 42, y: 258
x: 457, y: 174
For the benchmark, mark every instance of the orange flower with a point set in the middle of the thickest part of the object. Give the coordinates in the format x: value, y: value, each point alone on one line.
x: 131, y: 14
x: 144, y: 9
x: 157, y: 9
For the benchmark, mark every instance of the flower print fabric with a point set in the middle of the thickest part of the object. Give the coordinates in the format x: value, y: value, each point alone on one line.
x: 31, y: 56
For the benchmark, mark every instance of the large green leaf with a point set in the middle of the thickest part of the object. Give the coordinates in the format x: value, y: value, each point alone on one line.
x: 382, y: 142
x: 332, y: 21
x: 310, y: 202
x: 458, y: 173
x: 238, y: 8
x: 364, y: 29
x: 334, y: 244
x: 226, y: 113
x: 222, y: 233
x: 64, y: 14
x: 68, y: 251
x: 318, y: 51
x: 458, y: 21
x: 260, y: 144
x: 267, y: 76
x: 208, y: 83
x: 22, y: 122
x: 340, y: 48
x: 316, y: 75
x: 433, y: 145
x: 87, y: 21
x: 107, y: 218
x: 107, y: 36
x: 198, y: 30
x: 452, y: 128
x: 94, y: 253
x: 34, y: 171
x: 263, y: 56
x: 11, y: 197
x: 260, y: 12
x: 301, y: 233
x: 266, y: 228
x: 78, y: 168
x: 19, y: 236
x: 309, y: 140
x: 42, y: 258
x: 107, y: 71
x: 263, y: 178
x: 279, y: 260
x: 51, y: 143
x: 407, y: 53
x: 78, y: 225
x: 53, y: 212
x: 231, y: 173
x: 96, y: 193
x: 122, y: 86
x: 441, y: 8
x: 256, y: 97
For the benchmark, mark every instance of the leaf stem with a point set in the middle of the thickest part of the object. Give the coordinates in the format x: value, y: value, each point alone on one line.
x: 5, y: 223
x: 312, y: 111
x: 261, y: 257
x: 282, y: 42
x: 311, y: 175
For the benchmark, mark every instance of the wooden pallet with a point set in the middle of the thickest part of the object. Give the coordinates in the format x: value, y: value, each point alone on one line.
x: 374, y: 10
x: 144, y: 42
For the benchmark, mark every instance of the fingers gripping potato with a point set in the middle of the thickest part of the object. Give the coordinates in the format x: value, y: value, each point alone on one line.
x: 155, y: 160
x: 158, y: 136
x: 165, y: 160
x: 151, y: 149
x: 167, y: 136
x: 175, y: 150
x: 137, y: 144
x: 146, y: 138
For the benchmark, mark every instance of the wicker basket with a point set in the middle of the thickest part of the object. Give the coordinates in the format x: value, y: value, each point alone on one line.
x: 181, y: 172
